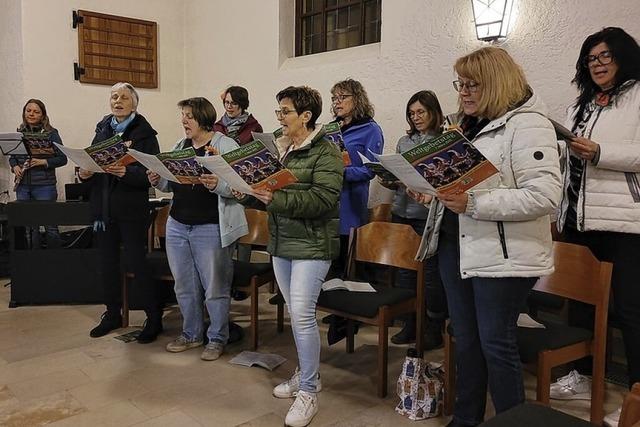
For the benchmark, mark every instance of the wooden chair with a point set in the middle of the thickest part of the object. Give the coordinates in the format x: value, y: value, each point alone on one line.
x: 157, y: 259
x: 630, y: 416
x: 535, y: 415
x: 578, y: 276
x: 380, y: 213
x: 387, y: 244
x: 250, y: 276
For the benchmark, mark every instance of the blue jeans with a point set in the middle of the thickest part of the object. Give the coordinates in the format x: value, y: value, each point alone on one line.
x: 484, y: 312
x: 49, y: 193
x: 203, y: 271
x: 299, y: 281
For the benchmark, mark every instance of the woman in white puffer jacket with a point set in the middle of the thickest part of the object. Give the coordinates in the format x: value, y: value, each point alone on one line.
x: 601, y: 204
x: 494, y: 241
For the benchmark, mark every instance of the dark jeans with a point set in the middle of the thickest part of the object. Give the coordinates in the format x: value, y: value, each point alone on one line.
x: 435, y: 300
x: 483, y: 313
x: 621, y: 249
x: 132, y: 235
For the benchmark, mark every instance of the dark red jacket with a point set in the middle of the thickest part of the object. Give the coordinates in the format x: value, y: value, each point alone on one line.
x: 244, y: 134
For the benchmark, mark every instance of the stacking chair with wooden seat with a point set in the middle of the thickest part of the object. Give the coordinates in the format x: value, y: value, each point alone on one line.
x: 250, y: 276
x: 578, y: 276
x: 387, y: 244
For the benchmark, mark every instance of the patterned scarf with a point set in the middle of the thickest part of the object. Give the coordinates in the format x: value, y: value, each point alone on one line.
x: 120, y: 127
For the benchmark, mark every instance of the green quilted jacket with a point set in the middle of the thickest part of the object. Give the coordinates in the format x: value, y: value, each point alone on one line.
x: 303, y: 217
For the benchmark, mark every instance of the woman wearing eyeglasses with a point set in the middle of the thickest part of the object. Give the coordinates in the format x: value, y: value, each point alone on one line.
x: 494, y: 241
x: 425, y: 119
x: 303, y: 227
x: 361, y: 134
x: 601, y: 202
x: 237, y: 123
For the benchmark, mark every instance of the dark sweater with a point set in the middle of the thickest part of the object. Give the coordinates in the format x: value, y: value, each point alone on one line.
x: 194, y: 204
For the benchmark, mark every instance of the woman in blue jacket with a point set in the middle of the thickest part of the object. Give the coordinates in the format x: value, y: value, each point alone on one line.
x: 361, y: 134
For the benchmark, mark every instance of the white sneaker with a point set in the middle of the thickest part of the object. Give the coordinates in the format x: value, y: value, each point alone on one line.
x: 572, y: 386
x: 290, y: 387
x: 612, y: 419
x: 304, y: 408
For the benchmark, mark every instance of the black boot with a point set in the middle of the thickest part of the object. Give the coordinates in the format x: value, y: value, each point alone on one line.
x: 433, y: 334
x: 110, y: 320
x: 407, y: 334
x: 152, y: 327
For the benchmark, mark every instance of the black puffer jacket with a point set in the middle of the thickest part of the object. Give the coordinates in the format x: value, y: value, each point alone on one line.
x: 126, y: 198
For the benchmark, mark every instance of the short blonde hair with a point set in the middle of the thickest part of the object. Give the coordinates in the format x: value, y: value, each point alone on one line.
x: 502, y: 81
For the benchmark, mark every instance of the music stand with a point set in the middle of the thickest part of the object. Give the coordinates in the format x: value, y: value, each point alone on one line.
x: 11, y: 143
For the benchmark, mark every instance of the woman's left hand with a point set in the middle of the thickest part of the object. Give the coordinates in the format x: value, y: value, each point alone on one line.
x: 32, y: 163
x: 264, y: 195
x: 584, y: 148
x: 117, y: 170
x: 210, y: 181
x: 454, y: 202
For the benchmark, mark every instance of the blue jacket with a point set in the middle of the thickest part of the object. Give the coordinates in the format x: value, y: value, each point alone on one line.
x: 363, y: 136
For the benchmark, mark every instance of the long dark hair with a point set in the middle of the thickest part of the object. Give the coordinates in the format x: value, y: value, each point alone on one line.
x: 429, y: 101
x: 45, y: 123
x: 626, y: 54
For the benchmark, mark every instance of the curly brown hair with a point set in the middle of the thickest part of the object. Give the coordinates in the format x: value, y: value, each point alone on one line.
x: 362, y: 107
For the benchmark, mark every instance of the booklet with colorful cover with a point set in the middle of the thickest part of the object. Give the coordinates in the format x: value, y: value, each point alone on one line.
x: 97, y: 157
x: 561, y: 131
x: 38, y: 144
x: 333, y: 133
x: 179, y: 166
x: 448, y: 163
x: 251, y: 166
x: 378, y: 169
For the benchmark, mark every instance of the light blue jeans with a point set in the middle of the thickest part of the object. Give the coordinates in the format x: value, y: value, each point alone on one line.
x: 299, y: 281
x: 203, y: 271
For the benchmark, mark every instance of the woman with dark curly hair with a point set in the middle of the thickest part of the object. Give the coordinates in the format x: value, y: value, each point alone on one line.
x: 601, y: 203
x: 361, y: 134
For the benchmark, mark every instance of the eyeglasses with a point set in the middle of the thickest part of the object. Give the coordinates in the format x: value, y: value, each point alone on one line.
x: 419, y: 113
x: 336, y: 99
x: 605, y: 57
x: 471, y: 86
x: 283, y: 112
x: 230, y: 104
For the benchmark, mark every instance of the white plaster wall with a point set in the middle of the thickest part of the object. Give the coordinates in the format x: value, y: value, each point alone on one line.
x: 50, y: 46
x: 11, y: 86
x: 243, y: 43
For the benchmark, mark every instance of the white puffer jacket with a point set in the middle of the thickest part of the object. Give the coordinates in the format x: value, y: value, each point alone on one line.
x: 609, y: 198
x: 506, y: 231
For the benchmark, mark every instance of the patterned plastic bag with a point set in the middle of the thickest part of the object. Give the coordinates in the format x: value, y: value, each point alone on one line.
x: 420, y: 388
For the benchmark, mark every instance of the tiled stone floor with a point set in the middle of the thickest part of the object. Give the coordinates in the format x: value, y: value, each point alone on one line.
x: 52, y: 373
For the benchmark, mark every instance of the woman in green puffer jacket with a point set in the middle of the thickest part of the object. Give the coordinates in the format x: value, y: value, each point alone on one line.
x: 303, y: 223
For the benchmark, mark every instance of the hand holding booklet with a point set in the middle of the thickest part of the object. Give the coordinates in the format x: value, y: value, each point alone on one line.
x: 251, y: 166
x: 448, y: 164
x: 97, y: 157
x: 347, y: 285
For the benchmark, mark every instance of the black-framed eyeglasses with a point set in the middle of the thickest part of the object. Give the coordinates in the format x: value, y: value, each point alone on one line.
x: 283, y: 112
x: 230, y: 104
x: 339, y: 98
x: 471, y: 86
x: 605, y: 57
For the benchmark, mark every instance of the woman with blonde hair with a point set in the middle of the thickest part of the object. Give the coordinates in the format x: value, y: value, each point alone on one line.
x: 494, y: 241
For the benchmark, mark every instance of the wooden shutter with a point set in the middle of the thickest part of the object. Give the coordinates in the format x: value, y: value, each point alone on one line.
x: 117, y: 49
